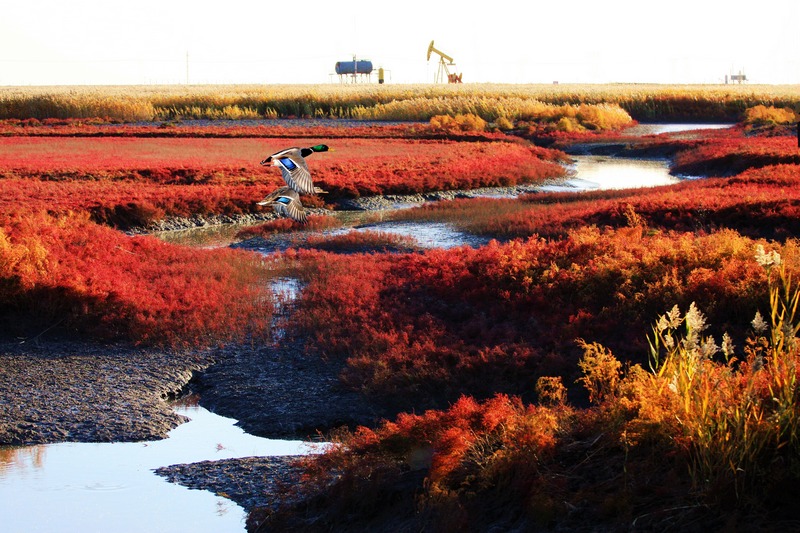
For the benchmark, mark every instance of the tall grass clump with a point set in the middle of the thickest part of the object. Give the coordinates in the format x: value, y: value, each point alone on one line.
x: 567, y: 117
x: 734, y: 414
x: 94, y: 103
x: 458, y: 123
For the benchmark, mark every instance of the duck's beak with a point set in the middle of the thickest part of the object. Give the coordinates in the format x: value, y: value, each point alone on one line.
x: 267, y: 161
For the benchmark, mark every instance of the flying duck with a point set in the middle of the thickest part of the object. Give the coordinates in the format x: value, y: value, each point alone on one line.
x: 293, y: 166
x: 286, y: 202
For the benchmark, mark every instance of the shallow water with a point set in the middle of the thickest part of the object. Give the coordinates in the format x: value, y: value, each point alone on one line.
x: 112, y: 487
x: 213, y: 236
x: 427, y: 234
x: 658, y: 129
x: 594, y: 172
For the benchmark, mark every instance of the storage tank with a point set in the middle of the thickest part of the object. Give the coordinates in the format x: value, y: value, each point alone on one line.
x: 362, y: 66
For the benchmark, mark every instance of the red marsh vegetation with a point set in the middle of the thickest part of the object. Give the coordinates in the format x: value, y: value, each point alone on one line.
x: 126, y: 181
x: 700, y: 431
x: 133, y: 181
x: 477, y: 321
x: 71, y: 275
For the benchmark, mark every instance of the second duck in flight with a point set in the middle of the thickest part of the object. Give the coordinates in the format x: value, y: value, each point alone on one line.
x: 286, y: 202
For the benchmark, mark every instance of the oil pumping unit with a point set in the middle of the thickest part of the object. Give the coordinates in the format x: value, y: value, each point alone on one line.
x: 445, y: 61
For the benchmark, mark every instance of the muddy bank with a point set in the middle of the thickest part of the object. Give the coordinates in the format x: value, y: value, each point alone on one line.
x: 249, y: 481
x: 282, y: 392
x: 202, y: 221
x: 627, y: 149
x: 365, y: 203
x: 74, y: 392
x: 394, y: 201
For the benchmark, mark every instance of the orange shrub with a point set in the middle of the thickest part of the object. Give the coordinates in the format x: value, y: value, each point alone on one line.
x: 762, y: 115
x: 731, y: 413
x: 459, y: 122
x: 458, y: 452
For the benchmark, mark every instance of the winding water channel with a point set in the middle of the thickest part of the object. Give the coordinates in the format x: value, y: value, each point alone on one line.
x: 112, y: 486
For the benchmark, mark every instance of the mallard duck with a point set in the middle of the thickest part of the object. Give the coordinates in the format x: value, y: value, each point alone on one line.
x: 293, y: 166
x: 286, y: 202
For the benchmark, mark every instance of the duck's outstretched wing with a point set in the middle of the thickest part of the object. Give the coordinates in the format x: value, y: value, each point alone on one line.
x: 296, y: 174
x: 290, y: 207
x: 295, y: 211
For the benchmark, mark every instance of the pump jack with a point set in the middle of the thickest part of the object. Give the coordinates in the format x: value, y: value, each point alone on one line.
x: 445, y: 61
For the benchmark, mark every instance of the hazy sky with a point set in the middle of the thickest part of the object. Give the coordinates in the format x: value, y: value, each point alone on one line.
x: 53, y: 42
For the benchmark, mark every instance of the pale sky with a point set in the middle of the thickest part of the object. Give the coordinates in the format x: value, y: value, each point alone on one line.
x: 89, y: 42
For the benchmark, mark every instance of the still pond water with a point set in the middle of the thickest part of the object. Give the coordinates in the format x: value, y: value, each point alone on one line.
x: 80, y: 487
x: 111, y: 486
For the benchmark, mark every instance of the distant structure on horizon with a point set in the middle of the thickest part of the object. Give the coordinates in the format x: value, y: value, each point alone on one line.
x: 445, y: 61
x: 735, y: 78
x: 357, y: 70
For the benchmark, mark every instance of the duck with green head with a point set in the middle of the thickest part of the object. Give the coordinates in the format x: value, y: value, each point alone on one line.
x: 294, y: 169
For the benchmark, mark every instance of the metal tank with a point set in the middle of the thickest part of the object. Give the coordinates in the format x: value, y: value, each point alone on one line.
x: 361, y: 66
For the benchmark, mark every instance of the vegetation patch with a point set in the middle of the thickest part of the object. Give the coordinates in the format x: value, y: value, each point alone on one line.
x: 74, y: 277
x: 693, y: 438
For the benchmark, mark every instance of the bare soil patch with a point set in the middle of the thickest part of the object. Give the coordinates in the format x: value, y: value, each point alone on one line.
x: 75, y: 392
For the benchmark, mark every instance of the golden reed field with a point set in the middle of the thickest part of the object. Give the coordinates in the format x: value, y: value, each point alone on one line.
x: 385, y: 102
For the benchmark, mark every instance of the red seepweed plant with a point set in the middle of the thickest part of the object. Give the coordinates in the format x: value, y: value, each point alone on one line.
x: 491, y: 319
x: 76, y: 277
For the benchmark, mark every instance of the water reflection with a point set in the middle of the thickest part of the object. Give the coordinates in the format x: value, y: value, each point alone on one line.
x: 658, y: 129
x: 112, y: 487
x: 427, y: 234
x: 593, y: 172
x: 286, y: 291
x: 212, y: 236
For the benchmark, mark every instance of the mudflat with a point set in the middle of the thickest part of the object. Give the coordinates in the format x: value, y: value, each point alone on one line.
x: 75, y: 392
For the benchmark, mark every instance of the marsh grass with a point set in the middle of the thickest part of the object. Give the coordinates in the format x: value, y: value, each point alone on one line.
x: 392, y: 102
